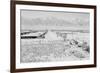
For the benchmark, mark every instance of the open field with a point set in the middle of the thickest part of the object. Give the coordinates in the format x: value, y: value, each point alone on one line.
x: 43, y: 50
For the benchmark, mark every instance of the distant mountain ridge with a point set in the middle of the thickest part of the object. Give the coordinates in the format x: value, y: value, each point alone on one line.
x: 54, y: 21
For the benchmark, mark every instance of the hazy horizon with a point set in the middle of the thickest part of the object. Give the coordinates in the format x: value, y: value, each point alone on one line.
x: 36, y: 19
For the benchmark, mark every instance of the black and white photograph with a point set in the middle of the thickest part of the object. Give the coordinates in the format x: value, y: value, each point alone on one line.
x: 48, y: 36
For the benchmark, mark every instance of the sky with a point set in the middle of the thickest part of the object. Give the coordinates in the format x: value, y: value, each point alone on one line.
x: 36, y: 19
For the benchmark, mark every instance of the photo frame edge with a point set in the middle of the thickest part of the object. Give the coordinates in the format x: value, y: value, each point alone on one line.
x: 13, y: 41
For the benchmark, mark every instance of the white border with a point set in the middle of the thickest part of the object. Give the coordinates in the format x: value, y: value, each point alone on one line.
x: 51, y: 64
